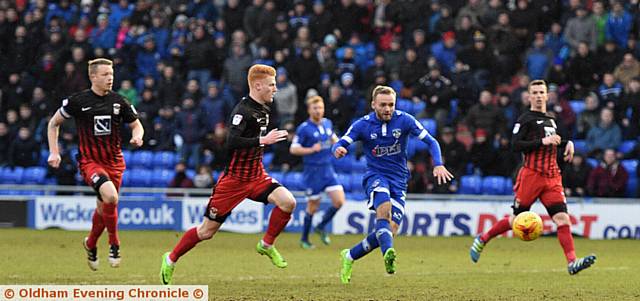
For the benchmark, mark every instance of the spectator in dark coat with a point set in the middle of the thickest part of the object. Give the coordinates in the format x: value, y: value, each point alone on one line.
x: 5, y: 142
x: 609, y: 179
x: 483, y: 154
x: 485, y: 115
x: 320, y: 22
x: 453, y: 152
x: 631, y: 101
x: 582, y: 72
x: 191, y: 128
x: 180, y: 179
x: 197, y: 55
x: 575, y: 177
x: 436, y: 91
x: 170, y: 88
x: 24, y: 150
x: 338, y: 109
x: 233, y: 13
x: 164, y: 129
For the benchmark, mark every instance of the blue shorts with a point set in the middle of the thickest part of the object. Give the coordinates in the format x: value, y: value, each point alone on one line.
x: 394, y: 191
x: 319, y: 179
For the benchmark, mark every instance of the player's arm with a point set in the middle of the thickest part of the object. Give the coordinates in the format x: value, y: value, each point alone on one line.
x: 238, y: 124
x: 299, y: 150
x: 137, y: 132
x: 53, y: 130
x: 339, y: 149
x: 520, y: 143
x: 439, y: 171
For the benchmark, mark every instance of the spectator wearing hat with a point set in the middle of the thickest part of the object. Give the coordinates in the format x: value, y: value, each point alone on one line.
x: 436, y: 91
x: 445, y: 51
x: 320, y: 22
x: 480, y: 60
x: 197, y: 57
x: 286, y: 100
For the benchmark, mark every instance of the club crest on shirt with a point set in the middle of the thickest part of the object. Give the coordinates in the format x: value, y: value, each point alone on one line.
x: 516, y: 128
x: 237, y: 118
x: 116, y: 109
x: 374, y: 136
x: 95, y: 178
x: 396, y: 133
x: 213, y: 213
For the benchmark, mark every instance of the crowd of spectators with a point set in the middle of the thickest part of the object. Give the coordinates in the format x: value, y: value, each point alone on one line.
x: 183, y: 64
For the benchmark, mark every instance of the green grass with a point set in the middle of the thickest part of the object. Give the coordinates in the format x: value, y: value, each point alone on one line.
x: 428, y: 268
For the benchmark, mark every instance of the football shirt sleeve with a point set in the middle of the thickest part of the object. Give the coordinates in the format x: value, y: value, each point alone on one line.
x: 237, y: 125
x: 129, y: 113
x: 69, y: 108
x: 352, y: 135
x: 416, y: 129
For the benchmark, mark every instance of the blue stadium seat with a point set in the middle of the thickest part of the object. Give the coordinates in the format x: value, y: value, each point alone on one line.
x: 359, y: 165
x: 276, y: 175
x: 140, y: 177
x: 356, y: 182
x: 141, y: 159
x: 126, y: 176
x: 470, y: 184
x: 74, y: 154
x: 294, y: 181
x: 627, y: 146
x: 126, y: 154
x: 162, y: 177
x: 44, y: 155
x: 580, y: 146
x: 190, y: 173
x: 430, y: 125
x: 34, y: 175
x: 577, y: 106
x: 11, y: 175
x: 592, y: 162
x: 164, y: 159
x: 343, y: 164
x: 508, y: 186
x: 418, y: 107
x: 267, y: 158
x: 632, y: 187
x: 344, y: 179
x: 493, y: 185
x: 405, y: 105
x: 631, y: 166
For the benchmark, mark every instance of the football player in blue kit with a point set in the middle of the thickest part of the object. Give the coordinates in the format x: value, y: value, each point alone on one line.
x: 313, y: 141
x: 384, y: 134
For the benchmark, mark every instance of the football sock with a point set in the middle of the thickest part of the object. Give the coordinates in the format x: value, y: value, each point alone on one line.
x: 110, y: 218
x: 500, y: 227
x: 328, y: 215
x: 306, y: 226
x: 189, y: 240
x: 566, y: 241
x: 277, y: 222
x: 97, y: 227
x: 383, y: 234
x: 364, y: 247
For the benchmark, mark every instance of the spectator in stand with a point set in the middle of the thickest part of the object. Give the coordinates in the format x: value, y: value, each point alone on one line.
x: 575, y: 176
x: 589, y: 117
x: 609, y: 178
x: 286, y: 100
x: 24, y: 150
x: 539, y: 58
x: 483, y: 154
x: 454, y: 154
x: 618, y: 24
x: 611, y: 93
x: 486, y: 116
x: 180, y: 179
x: 147, y: 113
x: 103, y: 35
x: 305, y: 73
x: 581, y: 28
x: 436, y: 91
x: 5, y: 143
x: 627, y: 69
x: 191, y: 128
x: 215, y: 106
x: 236, y: 67
x: 203, y: 178
x: 445, y: 52
x: 411, y: 69
x: 164, y: 130
x: 197, y: 55
x: 481, y: 61
x: 606, y: 134
x: 582, y: 71
x: 555, y: 41
x: 504, y: 45
x: 170, y: 88
x: 507, y: 161
x: 561, y: 107
x: 129, y: 92
x: 600, y: 17
x: 631, y: 102
x: 609, y: 56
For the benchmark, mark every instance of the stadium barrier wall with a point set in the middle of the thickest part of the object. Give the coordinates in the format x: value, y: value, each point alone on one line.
x: 422, y: 218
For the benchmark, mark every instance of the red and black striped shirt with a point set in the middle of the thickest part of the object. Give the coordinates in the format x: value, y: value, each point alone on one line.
x: 98, y: 121
x: 248, y: 121
x: 528, y: 132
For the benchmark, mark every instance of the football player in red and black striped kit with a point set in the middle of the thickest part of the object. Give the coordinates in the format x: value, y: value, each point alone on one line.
x: 244, y: 175
x: 99, y: 114
x: 534, y: 134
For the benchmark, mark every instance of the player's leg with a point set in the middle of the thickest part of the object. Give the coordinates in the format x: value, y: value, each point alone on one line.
x: 89, y: 243
x: 525, y: 195
x: 312, y: 206
x: 109, y: 197
x: 269, y: 190
x: 554, y: 201
x: 336, y: 193
x: 190, y: 239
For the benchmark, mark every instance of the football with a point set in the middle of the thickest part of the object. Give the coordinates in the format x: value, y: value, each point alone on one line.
x: 527, y: 226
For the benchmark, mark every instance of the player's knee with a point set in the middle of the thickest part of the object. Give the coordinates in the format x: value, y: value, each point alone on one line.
x: 110, y: 198
x: 206, y: 231
x: 562, y: 219
x: 312, y: 206
x: 288, y: 203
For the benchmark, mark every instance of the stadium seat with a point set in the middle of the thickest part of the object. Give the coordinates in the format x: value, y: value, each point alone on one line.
x: 356, y: 182
x: 126, y: 179
x: 405, y: 105
x: 343, y: 164
x: 632, y: 188
x: 577, y: 106
x: 126, y: 154
x: 162, y: 177
x: 294, y: 181
x: 11, y: 175
x: 34, y: 175
x: 418, y: 107
x: 627, y: 146
x: 470, y: 185
x: 430, y: 125
x: 140, y: 177
x: 44, y: 155
x: 190, y: 173
x: 580, y: 146
x: 164, y: 159
x: 345, y: 180
x: 508, y: 186
x: 631, y: 166
x: 359, y: 165
x: 493, y: 185
x: 267, y: 158
x: 142, y: 159
x: 592, y: 162
x: 276, y: 175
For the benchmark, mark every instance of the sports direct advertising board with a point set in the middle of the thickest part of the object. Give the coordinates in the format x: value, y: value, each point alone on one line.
x: 422, y: 218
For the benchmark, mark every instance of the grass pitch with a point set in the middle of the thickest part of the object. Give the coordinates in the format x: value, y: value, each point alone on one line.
x: 428, y: 268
